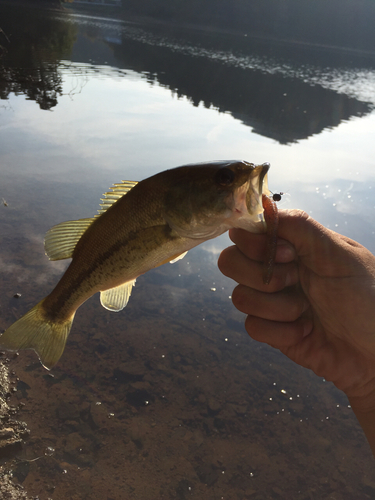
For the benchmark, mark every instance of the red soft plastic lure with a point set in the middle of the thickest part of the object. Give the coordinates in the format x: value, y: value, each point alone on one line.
x: 271, y: 216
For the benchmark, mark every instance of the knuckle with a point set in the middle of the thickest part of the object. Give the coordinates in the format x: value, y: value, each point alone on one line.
x: 225, y: 260
x: 240, y: 299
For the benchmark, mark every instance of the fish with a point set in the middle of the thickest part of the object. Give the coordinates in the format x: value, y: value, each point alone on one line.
x: 139, y: 226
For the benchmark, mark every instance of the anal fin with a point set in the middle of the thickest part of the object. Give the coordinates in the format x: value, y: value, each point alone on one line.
x: 115, y: 299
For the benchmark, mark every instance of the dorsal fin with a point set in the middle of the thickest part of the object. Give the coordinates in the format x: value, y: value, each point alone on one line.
x: 116, y: 192
x: 61, y: 240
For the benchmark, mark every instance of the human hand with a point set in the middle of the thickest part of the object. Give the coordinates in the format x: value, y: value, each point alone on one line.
x: 319, y: 308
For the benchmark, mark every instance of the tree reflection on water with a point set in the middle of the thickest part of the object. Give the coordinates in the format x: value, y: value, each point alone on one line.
x: 264, y: 85
x: 31, y: 52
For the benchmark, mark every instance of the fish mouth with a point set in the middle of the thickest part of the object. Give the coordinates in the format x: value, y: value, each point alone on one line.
x: 262, y: 188
x: 248, y: 200
x: 263, y: 180
x: 258, y: 185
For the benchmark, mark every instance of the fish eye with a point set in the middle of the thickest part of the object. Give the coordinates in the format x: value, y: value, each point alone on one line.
x: 224, y: 176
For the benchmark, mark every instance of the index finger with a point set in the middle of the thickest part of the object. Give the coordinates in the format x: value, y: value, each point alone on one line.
x: 235, y: 264
x: 253, y: 245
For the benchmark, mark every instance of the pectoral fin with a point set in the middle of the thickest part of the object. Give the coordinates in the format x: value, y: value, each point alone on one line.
x: 179, y: 257
x: 115, y: 299
x: 172, y: 259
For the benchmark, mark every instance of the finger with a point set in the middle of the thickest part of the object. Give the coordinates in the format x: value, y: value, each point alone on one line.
x: 276, y: 334
x: 286, y: 306
x: 234, y: 264
x: 253, y: 245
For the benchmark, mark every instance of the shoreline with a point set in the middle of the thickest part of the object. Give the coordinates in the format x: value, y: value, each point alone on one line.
x: 119, y: 14
x: 12, y: 435
x: 107, y: 12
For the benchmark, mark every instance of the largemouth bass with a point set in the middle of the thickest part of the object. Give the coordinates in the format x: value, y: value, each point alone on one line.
x: 139, y: 227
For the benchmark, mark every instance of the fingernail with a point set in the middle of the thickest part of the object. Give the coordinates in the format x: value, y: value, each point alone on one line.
x: 285, y: 251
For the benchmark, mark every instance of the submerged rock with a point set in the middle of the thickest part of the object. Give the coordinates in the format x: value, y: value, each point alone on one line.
x: 129, y: 372
x: 10, y: 441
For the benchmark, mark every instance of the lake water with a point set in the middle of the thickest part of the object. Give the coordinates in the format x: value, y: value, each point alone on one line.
x: 170, y: 399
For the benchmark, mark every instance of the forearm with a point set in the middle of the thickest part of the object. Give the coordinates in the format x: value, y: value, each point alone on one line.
x: 366, y: 417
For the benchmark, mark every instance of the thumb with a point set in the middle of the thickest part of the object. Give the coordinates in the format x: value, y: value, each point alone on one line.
x: 320, y: 249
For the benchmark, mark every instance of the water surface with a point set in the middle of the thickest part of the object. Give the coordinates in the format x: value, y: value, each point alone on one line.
x: 170, y: 399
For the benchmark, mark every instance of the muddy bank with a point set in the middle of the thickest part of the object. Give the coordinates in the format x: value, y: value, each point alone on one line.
x: 12, y: 435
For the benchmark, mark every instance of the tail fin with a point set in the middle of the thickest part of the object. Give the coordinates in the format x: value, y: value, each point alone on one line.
x: 34, y: 331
